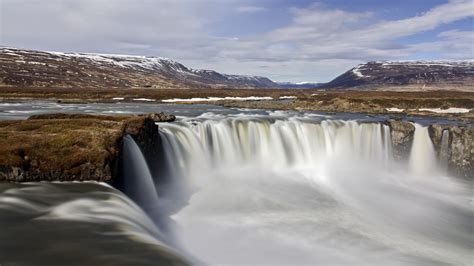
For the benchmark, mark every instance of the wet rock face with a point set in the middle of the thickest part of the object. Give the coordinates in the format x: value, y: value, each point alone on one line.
x: 402, y: 138
x: 453, y: 144
x: 84, y: 172
x: 148, y: 139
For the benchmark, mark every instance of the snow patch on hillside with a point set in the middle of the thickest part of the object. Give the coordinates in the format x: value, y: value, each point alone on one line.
x: 451, y: 110
x: 144, y: 100
x: 356, y: 71
x: 395, y: 110
x: 445, y: 63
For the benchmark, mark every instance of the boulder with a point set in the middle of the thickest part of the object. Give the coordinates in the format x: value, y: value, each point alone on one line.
x: 402, y: 133
x: 161, y: 117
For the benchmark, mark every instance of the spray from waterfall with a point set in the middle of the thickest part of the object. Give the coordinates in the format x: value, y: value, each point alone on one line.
x: 294, y: 190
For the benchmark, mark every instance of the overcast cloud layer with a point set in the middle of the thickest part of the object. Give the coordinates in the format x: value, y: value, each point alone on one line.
x: 283, y: 40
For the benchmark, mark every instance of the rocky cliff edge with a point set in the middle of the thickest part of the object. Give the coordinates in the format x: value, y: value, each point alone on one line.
x: 67, y: 147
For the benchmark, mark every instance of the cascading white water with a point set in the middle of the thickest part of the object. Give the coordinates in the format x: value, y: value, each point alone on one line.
x: 298, y: 191
x: 422, y: 156
x: 196, y: 149
x: 138, y: 183
x: 88, y: 218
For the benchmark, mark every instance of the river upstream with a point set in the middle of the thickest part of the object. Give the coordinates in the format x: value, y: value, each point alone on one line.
x: 247, y: 187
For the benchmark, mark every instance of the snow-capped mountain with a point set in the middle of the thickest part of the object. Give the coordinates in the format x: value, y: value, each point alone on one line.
x: 20, y: 67
x: 397, y: 73
x: 35, y: 68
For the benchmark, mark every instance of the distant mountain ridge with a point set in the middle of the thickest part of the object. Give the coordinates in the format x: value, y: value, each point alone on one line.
x: 19, y: 67
x: 30, y: 68
x: 401, y: 73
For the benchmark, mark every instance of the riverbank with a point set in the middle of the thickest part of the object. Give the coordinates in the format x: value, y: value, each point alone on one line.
x: 447, y: 104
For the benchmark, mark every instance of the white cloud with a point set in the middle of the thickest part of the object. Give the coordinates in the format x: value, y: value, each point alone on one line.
x: 451, y: 44
x: 319, y: 34
x: 250, y: 9
x: 443, y: 14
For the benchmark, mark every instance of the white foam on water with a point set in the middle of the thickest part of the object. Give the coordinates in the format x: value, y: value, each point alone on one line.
x: 214, y: 99
x: 289, y: 190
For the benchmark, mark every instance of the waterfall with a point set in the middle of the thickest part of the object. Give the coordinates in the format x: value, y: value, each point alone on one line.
x: 298, y: 190
x: 138, y: 182
x: 197, y: 147
x: 422, y: 156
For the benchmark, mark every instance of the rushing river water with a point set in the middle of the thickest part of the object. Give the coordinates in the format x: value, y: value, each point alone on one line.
x: 262, y: 187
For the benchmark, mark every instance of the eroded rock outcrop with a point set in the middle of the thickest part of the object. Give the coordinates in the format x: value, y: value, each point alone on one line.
x: 161, y: 117
x: 64, y: 147
x: 402, y: 133
x: 453, y: 143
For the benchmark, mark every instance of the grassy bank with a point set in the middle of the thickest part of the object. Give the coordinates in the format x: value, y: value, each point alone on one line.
x: 64, y: 147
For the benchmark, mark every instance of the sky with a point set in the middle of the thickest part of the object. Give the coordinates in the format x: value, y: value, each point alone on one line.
x: 285, y: 40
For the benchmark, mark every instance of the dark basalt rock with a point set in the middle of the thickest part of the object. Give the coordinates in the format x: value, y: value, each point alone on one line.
x: 455, y: 150
x: 454, y: 145
x: 161, y: 117
x: 84, y: 172
x: 402, y: 137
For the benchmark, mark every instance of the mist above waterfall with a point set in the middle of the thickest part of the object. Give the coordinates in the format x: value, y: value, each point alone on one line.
x: 304, y: 190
